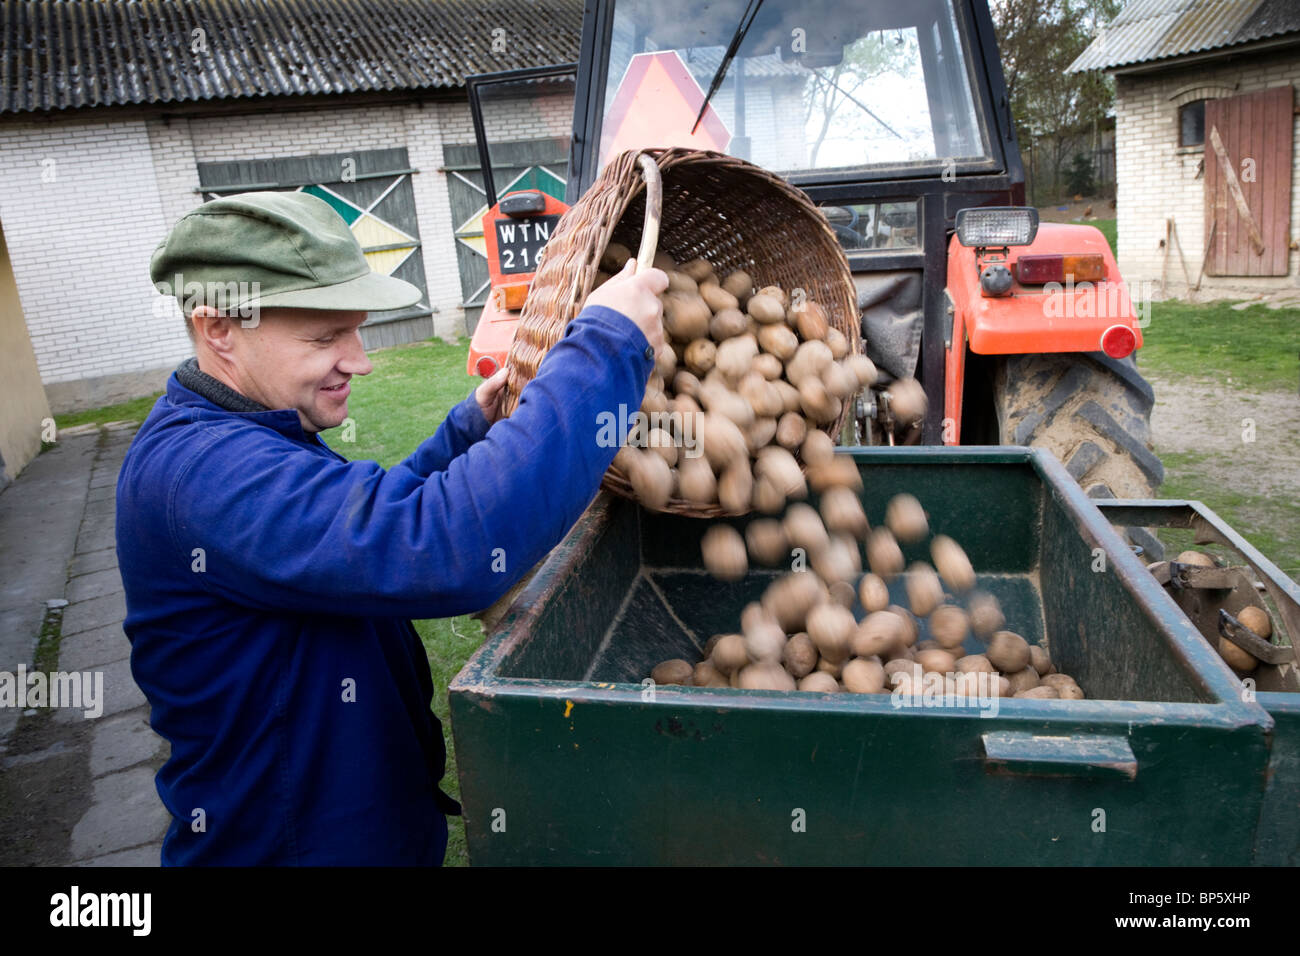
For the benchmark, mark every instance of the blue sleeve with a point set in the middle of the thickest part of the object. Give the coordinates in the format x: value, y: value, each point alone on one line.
x: 291, y: 530
x: 463, y: 426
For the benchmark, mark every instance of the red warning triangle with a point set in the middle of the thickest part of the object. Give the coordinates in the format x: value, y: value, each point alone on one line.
x: 655, y: 105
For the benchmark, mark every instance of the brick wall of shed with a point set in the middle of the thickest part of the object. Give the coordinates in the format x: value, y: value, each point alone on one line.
x: 1157, y: 179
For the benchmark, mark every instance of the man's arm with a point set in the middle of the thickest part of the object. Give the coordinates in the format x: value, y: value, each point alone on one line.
x: 298, y: 533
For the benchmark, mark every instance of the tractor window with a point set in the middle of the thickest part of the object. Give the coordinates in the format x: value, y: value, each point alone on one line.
x: 814, y: 85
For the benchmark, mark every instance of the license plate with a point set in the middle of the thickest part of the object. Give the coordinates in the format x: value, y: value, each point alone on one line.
x: 520, y: 240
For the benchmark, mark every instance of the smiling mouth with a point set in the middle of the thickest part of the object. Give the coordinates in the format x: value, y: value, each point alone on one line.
x: 334, y: 389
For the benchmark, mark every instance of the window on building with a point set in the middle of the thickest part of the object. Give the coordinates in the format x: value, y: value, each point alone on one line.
x: 1191, y: 123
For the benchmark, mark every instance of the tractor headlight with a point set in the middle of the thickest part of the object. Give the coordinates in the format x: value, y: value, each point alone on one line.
x: 997, y: 226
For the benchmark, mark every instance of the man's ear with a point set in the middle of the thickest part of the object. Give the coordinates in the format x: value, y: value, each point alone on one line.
x: 213, y: 329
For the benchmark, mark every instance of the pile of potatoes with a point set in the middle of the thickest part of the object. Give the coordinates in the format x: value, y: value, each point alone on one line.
x: 749, y: 377
x: 803, y: 635
x: 1253, y: 618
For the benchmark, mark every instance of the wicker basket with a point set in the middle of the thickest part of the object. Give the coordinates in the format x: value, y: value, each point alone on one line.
x: 730, y: 212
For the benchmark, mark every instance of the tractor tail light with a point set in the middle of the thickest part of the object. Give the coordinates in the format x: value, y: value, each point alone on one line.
x: 1118, y: 341
x: 487, y: 366
x: 1038, y: 269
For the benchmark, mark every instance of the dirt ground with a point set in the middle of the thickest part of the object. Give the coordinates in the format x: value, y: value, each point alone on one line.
x: 1196, y: 417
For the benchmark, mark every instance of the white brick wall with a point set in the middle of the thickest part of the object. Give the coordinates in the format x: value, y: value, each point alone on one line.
x: 80, y: 246
x: 1157, y: 179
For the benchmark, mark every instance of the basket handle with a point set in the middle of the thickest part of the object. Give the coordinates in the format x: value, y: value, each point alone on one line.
x: 654, y: 206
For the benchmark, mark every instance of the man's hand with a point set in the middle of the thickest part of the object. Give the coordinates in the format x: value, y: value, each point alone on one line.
x: 489, y: 395
x: 636, y: 295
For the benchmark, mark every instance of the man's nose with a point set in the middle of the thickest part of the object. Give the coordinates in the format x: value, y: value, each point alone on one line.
x: 354, y: 361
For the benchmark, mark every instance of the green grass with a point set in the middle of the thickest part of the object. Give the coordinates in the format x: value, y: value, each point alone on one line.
x: 1271, y: 524
x: 136, y: 410
x: 1108, y: 229
x: 1257, y: 348
x: 396, y: 407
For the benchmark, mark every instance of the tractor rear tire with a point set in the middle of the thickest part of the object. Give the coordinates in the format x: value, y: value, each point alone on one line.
x: 1094, y: 414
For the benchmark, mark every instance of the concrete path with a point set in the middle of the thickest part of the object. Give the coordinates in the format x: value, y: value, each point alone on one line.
x: 73, y: 789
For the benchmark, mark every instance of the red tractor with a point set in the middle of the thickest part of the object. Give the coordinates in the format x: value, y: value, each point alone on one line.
x: 894, y: 119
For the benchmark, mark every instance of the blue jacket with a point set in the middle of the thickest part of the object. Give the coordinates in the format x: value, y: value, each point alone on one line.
x: 270, y: 585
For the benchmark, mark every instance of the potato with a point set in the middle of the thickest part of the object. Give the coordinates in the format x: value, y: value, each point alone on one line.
x: 697, y: 482
x: 686, y: 383
x: 651, y: 479
x: 1057, y: 680
x: 700, y: 356
x: 686, y: 316
x: 819, y: 682
x: 831, y: 627
x: 736, y: 487
x: 808, y: 361
x: 771, y: 368
x: 840, y: 381
x: 762, y: 396
x: 1008, y: 652
x: 1037, y: 693
x: 681, y: 282
x: 883, y: 553
x: 863, y: 368
x: 765, y: 309
x: 729, y: 653
x: 716, y: 297
x: 1026, y: 679
x: 698, y: 269
x: 832, y: 668
x: 840, y: 471
x: 663, y: 444
x: 777, y: 293
x: 810, y: 321
x: 975, y: 663
x: 735, y: 356
x: 779, y: 465
x: 905, y: 517
x: 1070, y: 692
x: 878, y: 633
x: 985, y: 614
x: 924, y: 591
x: 862, y: 676
x: 791, y: 430
x: 654, y: 403
x: 1040, y: 660
x: 719, y: 399
x: 837, y: 561
x: 952, y: 563
x: 664, y: 261
x: 907, y: 401
x: 1237, y: 658
x: 936, y: 660
x: 615, y: 257
x: 799, y: 656
x: 1197, y: 559
x: 1257, y: 620
x: 778, y: 341
x: 818, y: 448
x: 790, y: 597
x: 949, y: 626
x: 913, y: 629
x: 873, y: 593
x: 804, y: 528
x: 724, y: 553
x: 766, y: 676
x: 838, y: 342
x: 841, y: 510
x: 768, y: 496
x: 817, y: 403
x: 764, y: 641
x: 842, y: 593
x: 706, y: 675
x: 675, y: 671
x: 721, y: 440
x: 789, y: 395
x: 740, y: 285
x: 666, y: 363
x: 727, y: 324
x: 760, y: 434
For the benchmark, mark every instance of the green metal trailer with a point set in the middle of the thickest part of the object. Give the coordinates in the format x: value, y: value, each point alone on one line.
x: 567, y: 755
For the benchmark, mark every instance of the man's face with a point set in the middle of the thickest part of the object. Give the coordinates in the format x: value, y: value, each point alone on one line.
x: 301, y: 359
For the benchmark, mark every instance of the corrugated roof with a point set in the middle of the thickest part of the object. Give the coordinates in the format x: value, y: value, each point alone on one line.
x: 1147, y: 30
x: 63, y: 54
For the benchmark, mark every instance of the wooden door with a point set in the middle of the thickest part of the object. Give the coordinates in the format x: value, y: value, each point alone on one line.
x: 1248, y: 143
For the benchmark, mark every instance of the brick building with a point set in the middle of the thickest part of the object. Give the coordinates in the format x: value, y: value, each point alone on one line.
x: 117, y: 117
x: 1205, y: 140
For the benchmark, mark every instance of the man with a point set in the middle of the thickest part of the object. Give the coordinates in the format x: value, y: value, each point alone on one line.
x: 270, y: 582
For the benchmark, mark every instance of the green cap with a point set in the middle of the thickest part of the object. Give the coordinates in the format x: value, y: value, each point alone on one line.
x: 264, y: 249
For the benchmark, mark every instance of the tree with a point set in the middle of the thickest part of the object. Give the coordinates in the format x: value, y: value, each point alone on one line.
x: 1038, y: 40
